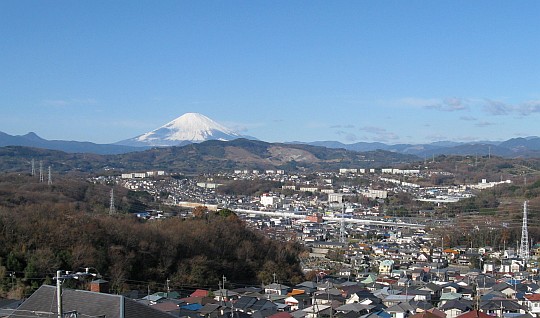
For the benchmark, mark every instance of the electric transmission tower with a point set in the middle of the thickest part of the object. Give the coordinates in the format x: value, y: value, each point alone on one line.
x: 40, y: 171
x: 49, y: 179
x: 33, y: 167
x: 112, y: 209
x: 524, y: 247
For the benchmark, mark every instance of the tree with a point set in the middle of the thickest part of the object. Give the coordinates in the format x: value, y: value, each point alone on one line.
x: 200, y: 212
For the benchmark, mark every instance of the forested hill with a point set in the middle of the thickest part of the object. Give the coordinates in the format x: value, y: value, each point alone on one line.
x: 46, y: 228
x: 209, y: 156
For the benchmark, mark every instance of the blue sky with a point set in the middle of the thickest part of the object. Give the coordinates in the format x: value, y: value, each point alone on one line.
x: 389, y: 71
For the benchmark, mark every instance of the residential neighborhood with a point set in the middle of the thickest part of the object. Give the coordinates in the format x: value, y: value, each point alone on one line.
x: 360, y: 262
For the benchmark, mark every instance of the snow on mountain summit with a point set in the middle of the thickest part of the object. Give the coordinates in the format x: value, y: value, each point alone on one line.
x: 190, y: 127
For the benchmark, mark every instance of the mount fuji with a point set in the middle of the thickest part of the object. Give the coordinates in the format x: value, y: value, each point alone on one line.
x: 188, y: 128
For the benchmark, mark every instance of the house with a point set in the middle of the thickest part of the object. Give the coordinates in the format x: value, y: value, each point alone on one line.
x: 281, y: 315
x: 500, y: 307
x: 314, y: 311
x: 277, y: 289
x: 386, y: 267
x: 400, y: 310
x: 533, y: 303
x: 225, y: 295
x: 506, y: 289
x: 474, y: 314
x: 167, y: 306
x: 308, y: 287
x: 437, y: 312
x: 456, y: 307
x: 419, y: 274
x: 434, y: 290
x: 419, y: 295
x: 365, y: 298
x: 84, y: 304
x: 244, y: 303
x: 392, y: 300
x: 296, y: 302
x: 424, y: 314
x: 347, y: 291
x: 328, y: 296
x: 199, y: 293
x: 451, y: 288
x: 356, y: 308
x: 377, y: 314
x: 262, y: 304
x: 445, y: 297
x: 422, y: 257
x: 198, y: 300
x: 512, y: 265
x: 210, y: 311
x: 8, y: 306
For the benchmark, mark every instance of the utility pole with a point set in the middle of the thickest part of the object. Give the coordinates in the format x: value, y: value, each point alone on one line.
x: 342, y: 226
x: 59, y: 280
x: 59, y: 292
x: 220, y: 294
x: 12, y: 274
x: 223, y: 287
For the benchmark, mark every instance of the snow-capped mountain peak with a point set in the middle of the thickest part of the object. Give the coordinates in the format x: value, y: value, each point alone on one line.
x: 190, y: 127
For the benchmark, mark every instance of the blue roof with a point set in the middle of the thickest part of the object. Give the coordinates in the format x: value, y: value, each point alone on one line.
x: 193, y: 307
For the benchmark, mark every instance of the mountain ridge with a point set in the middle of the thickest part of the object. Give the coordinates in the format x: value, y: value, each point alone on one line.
x: 207, y: 156
x: 31, y: 139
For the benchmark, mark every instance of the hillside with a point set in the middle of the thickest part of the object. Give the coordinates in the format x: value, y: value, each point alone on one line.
x: 209, y: 156
x: 46, y: 228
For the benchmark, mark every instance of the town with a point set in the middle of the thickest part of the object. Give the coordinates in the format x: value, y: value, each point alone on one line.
x: 362, y: 258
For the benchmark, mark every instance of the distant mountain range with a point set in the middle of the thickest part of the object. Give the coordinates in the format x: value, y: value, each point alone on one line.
x: 512, y: 148
x: 195, y: 128
x: 33, y: 140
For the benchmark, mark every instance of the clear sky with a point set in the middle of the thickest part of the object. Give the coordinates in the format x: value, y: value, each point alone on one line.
x: 390, y: 71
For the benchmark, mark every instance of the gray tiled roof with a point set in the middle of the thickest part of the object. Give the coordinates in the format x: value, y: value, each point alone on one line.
x: 42, y: 303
